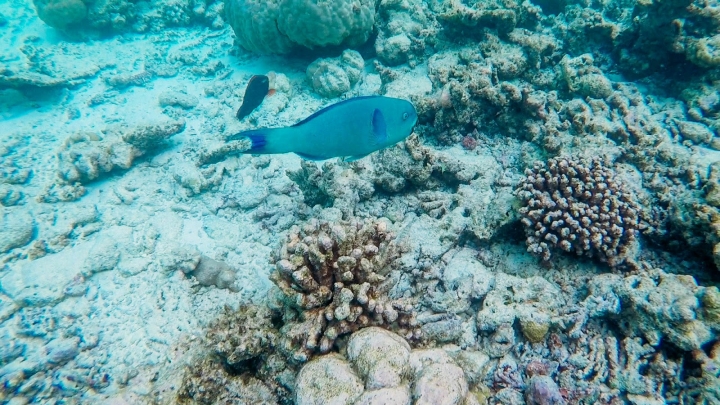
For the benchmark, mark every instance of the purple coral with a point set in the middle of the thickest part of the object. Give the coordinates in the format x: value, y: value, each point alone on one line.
x: 542, y: 390
x: 578, y: 205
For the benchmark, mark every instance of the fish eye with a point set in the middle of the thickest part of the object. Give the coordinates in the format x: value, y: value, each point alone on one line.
x: 405, y: 116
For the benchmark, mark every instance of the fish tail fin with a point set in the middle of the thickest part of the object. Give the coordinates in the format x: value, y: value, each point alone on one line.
x: 264, y: 140
x: 258, y: 139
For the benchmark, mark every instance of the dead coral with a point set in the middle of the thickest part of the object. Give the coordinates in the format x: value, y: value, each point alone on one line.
x: 657, y: 306
x: 209, y: 383
x: 242, y: 365
x: 333, y: 279
x: 579, y: 206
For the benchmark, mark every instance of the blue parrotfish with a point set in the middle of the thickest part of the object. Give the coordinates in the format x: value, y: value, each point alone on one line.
x: 257, y: 88
x: 351, y: 129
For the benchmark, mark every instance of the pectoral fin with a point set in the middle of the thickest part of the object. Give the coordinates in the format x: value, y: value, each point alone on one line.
x: 379, y: 127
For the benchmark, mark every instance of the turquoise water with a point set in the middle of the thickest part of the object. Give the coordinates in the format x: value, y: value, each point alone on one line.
x: 545, y: 231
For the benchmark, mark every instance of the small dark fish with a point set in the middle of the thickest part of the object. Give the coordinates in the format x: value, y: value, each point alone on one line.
x: 258, y: 87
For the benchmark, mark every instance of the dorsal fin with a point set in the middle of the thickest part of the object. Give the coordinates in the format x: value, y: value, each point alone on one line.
x: 331, y: 106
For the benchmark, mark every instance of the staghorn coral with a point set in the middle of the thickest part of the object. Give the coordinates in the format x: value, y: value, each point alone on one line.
x: 332, y: 275
x: 578, y: 205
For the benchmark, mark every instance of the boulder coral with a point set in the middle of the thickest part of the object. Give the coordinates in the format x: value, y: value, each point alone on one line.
x: 282, y: 26
x: 331, y: 77
x: 381, y: 369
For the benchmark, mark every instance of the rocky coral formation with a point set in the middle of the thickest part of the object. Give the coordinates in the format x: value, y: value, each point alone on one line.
x: 78, y: 18
x: 535, y: 303
x: 502, y: 15
x: 381, y: 368
x: 695, y: 213
x: 580, y: 206
x: 332, y: 77
x: 238, y: 361
x: 207, y: 382
x: 658, y: 307
x: 669, y: 31
x: 61, y: 13
x: 332, y: 276
x: 85, y: 156
x: 405, y: 30
x: 281, y: 26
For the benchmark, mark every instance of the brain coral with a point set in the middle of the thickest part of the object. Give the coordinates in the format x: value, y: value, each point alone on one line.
x: 281, y: 26
x: 578, y: 205
x: 61, y: 13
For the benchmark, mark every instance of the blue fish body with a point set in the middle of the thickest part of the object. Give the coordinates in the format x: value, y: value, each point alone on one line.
x: 352, y: 129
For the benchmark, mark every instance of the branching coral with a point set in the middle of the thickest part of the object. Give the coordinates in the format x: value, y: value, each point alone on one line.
x: 333, y: 278
x: 579, y: 206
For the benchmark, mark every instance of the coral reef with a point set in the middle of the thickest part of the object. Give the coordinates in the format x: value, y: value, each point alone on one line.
x: 332, y: 77
x: 580, y: 206
x: 61, y: 13
x: 534, y: 302
x: 658, y: 307
x: 80, y: 19
x: 85, y: 156
x: 388, y: 372
x: 333, y: 279
x: 18, y: 228
x: 281, y: 26
x: 406, y: 30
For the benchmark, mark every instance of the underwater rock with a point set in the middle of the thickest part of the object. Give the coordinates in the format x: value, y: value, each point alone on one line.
x: 386, y: 396
x: 61, y: 350
x: 178, y: 99
x: 332, y: 185
x: 242, y: 335
x: 332, y: 77
x: 281, y: 26
x: 178, y: 257
x: 85, y: 156
x: 328, y: 379
x: 542, y: 390
x: 30, y: 286
x: 527, y: 300
x: 211, y: 272
x: 61, y: 13
x: 17, y: 227
x: 381, y: 357
x: 585, y: 79
x: 657, y: 306
x: 208, y: 382
x: 405, y: 29
x: 438, y: 380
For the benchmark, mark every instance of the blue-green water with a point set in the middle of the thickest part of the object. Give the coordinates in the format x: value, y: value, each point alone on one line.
x: 549, y: 233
